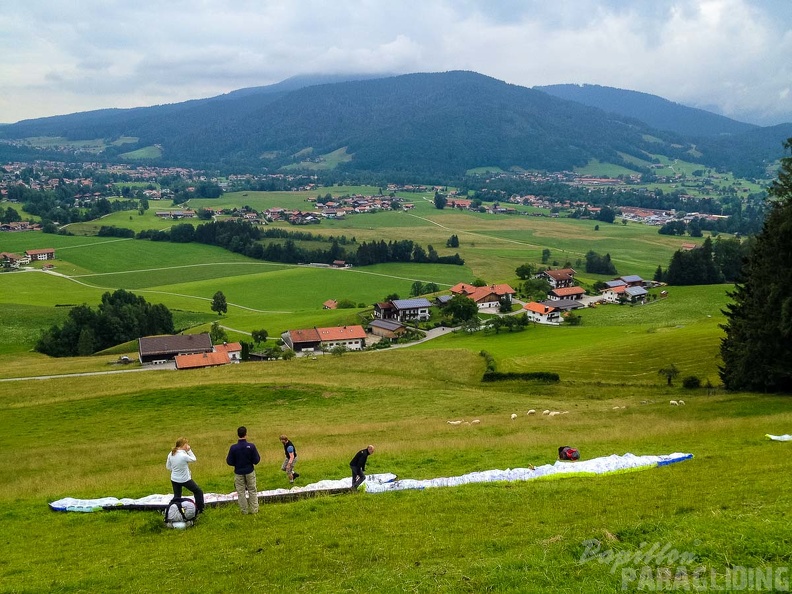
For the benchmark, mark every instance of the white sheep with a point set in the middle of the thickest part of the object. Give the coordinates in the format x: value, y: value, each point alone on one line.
x: 454, y: 422
x: 514, y: 416
x: 681, y: 403
x: 554, y: 413
x: 531, y: 412
x: 545, y: 412
x: 673, y: 403
x: 475, y: 422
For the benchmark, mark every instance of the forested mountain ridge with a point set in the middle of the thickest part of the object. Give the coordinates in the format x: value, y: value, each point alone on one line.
x: 653, y: 110
x: 421, y: 124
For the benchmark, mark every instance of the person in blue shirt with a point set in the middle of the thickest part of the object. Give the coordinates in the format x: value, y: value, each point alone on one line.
x: 291, y: 458
x: 244, y: 456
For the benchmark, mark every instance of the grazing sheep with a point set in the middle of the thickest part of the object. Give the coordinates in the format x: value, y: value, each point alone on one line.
x: 681, y: 403
x: 554, y: 413
x: 475, y: 422
x: 616, y: 407
x: 514, y: 416
x: 454, y: 422
x: 673, y: 403
x: 545, y: 412
x: 531, y: 412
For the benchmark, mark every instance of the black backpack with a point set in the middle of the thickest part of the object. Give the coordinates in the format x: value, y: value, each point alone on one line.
x: 180, y: 513
x: 568, y: 453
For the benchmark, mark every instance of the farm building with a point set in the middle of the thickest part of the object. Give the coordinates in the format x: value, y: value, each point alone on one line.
x: 387, y: 328
x: 161, y: 349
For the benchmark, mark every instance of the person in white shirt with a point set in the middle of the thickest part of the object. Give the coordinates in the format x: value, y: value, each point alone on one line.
x: 178, y: 459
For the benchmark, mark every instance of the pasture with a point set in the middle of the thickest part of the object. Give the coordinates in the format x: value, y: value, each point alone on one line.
x: 98, y: 436
x: 90, y: 436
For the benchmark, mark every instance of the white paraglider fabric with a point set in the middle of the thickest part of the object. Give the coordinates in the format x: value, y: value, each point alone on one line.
x: 596, y: 466
x: 161, y: 501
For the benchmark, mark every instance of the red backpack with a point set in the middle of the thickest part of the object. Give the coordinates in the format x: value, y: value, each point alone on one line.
x: 568, y: 453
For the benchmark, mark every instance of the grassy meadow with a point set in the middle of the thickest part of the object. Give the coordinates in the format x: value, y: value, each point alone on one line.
x: 90, y: 436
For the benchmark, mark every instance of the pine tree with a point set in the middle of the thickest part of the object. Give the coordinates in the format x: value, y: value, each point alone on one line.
x: 757, y: 349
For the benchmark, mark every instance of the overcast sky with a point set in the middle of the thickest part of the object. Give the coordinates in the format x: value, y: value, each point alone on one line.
x: 63, y: 56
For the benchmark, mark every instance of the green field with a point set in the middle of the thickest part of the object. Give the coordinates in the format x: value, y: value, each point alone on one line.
x: 89, y: 436
x: 147, y: 152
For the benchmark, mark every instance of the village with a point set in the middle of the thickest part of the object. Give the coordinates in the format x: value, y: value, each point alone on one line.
x: 108, y: 181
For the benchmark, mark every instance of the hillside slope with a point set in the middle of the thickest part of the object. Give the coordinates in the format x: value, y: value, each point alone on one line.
x: 655, y: 111
x: 421, y: 125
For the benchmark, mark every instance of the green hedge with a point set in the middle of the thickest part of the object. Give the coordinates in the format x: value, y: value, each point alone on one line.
x: 529, y: 376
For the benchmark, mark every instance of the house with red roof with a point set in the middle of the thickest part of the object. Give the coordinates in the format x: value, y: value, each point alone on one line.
x: 566, y: 293
x: 561, y: 277
x: 352, y: 338
x: 542, y: 313
x: 42, y: 254
x: 487, y: 296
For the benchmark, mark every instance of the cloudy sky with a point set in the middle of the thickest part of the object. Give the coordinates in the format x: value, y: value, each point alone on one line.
x: 63, y: 56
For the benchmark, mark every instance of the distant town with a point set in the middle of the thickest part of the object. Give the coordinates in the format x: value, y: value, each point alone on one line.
x: 84, y: 185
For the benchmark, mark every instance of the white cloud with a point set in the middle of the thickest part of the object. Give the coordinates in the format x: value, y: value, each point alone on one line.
x: 60, y: 58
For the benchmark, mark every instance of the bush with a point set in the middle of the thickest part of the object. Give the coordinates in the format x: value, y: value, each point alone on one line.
x: 691, y: 382
x: 490, y: 362
x: 547, y: 377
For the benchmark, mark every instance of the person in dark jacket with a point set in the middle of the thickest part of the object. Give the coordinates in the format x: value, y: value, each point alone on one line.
x: 244, y: 456
x: 358, y: 466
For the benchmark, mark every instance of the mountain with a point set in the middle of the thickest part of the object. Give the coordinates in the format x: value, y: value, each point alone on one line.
x: 418, y: 124
x: 655, y: 111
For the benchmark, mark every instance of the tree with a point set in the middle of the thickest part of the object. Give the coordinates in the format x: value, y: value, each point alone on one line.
x: 536, y: 289
x: 695, y: 267
x: 259, y: 336
x: 218, y: 333
x: 440, y: 201
x: 670, y: 372
x: 729, y: 255
x: 87, y: 342
x: 606, y: 215
x: 757, y: 348
x: 461, y: 308
x: 417, y: 289
x: 219, y: 303
x: 524, y: 271
x: 453, y: 242
x: 597, y: 264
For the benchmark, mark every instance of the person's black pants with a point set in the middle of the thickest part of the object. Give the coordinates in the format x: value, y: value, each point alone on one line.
x: 193, y: 488
x: 357, y: 476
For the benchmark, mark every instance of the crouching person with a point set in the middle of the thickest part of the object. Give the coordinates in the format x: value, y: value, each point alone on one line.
x: 358, y: 466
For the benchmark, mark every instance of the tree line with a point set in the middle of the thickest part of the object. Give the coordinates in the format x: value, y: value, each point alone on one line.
x: 121, y: 316
x: 244, y: 238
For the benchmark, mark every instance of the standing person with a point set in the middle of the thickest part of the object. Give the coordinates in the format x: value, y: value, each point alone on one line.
x: 291, y: 458
x: 358, y: 466
x: 244, y: 456
x: 179, y: 457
